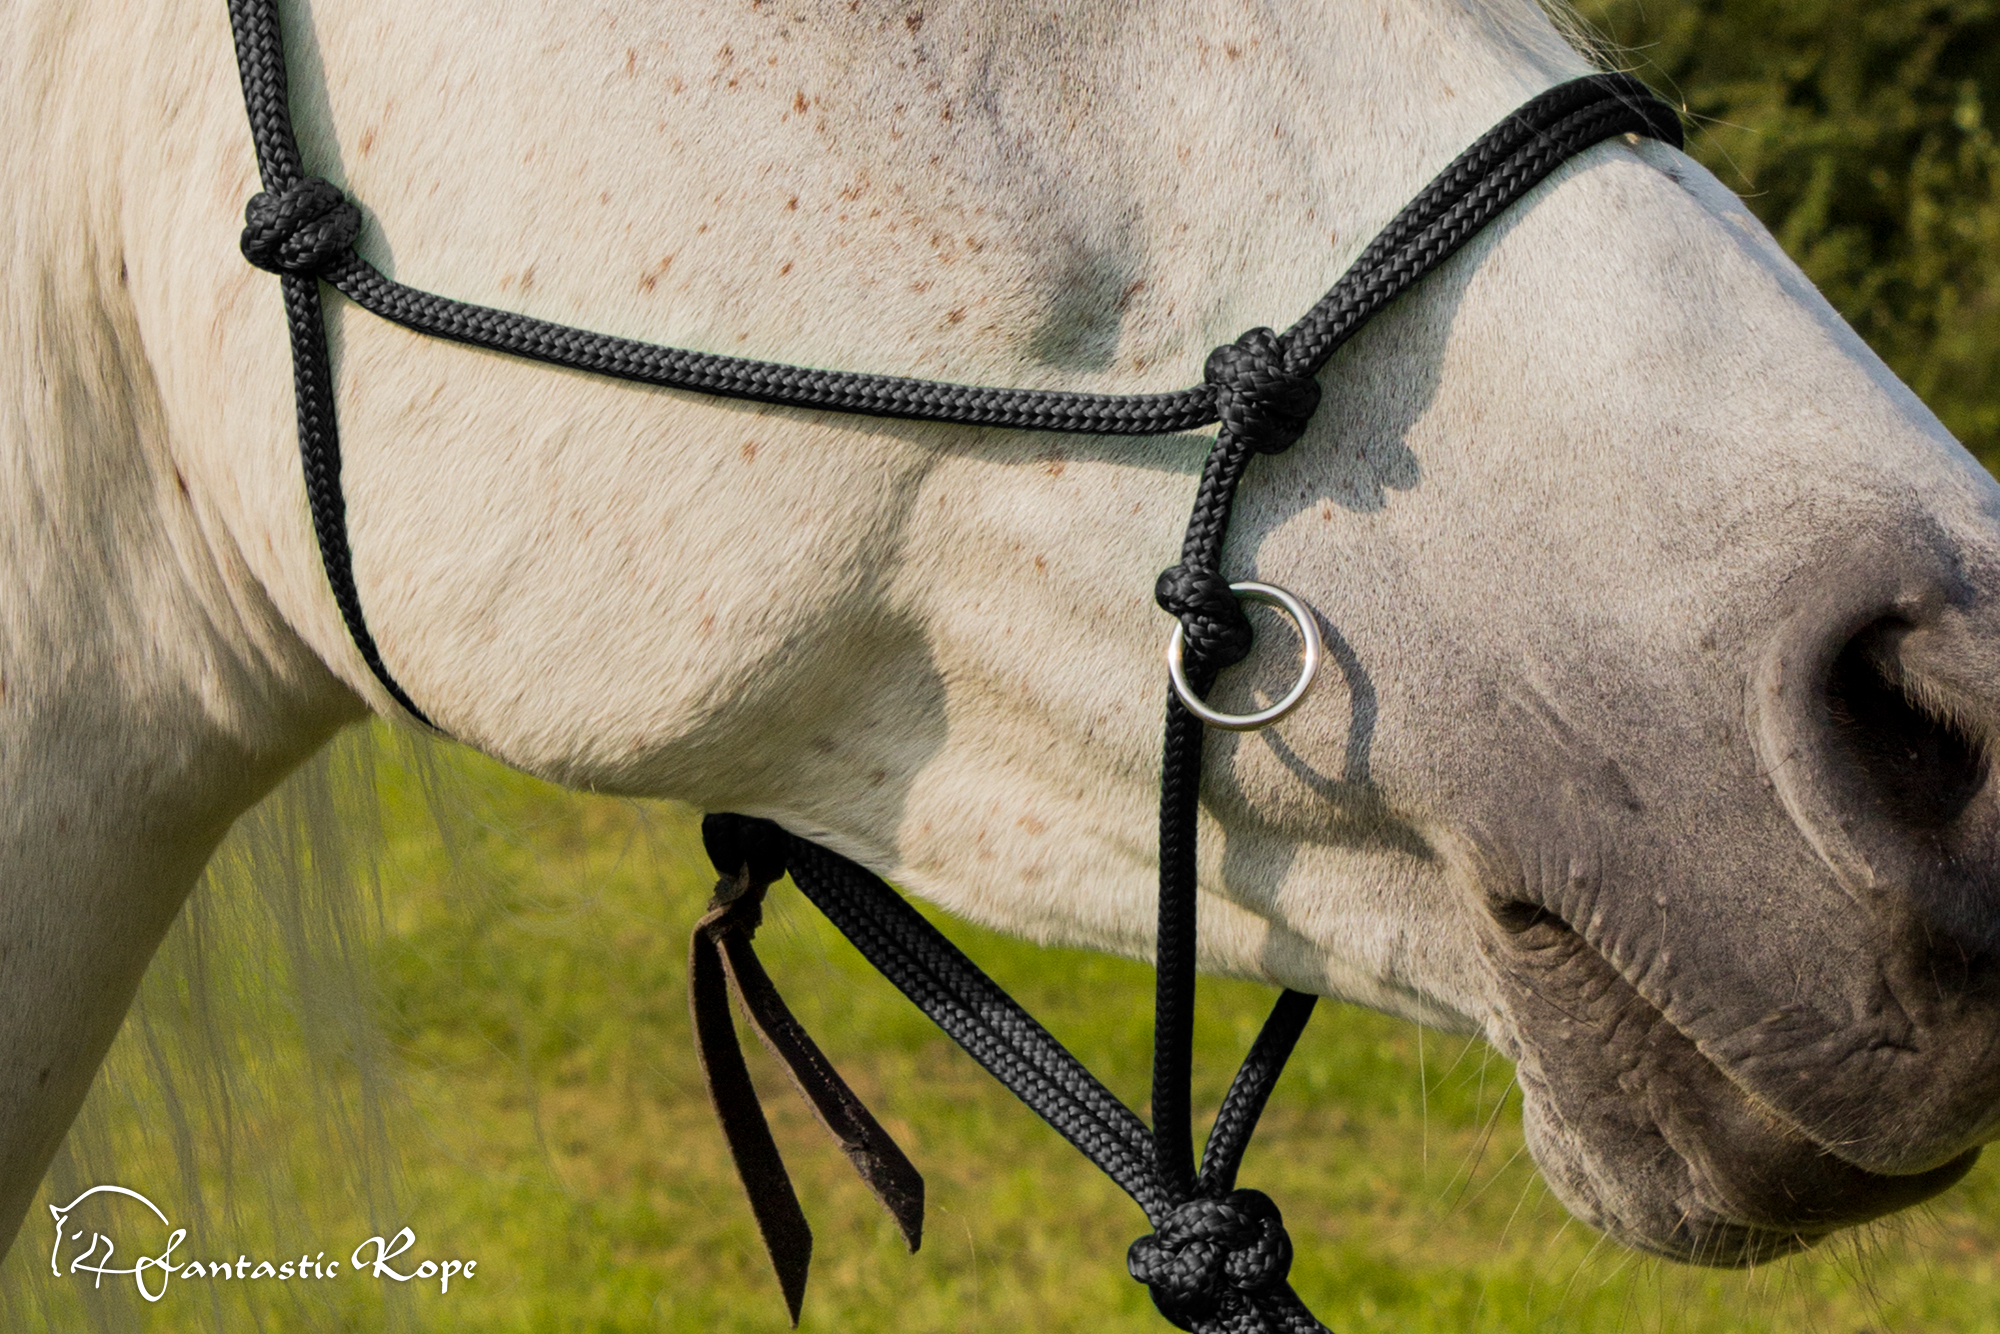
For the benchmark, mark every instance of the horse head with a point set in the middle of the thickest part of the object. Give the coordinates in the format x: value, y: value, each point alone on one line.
x: 1665, y: 619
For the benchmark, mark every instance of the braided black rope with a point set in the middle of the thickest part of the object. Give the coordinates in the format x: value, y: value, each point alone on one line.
x: 1218, y: 1257
x: 764, y: 381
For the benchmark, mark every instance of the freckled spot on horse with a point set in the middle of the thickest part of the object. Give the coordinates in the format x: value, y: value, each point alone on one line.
x: 749, y: 451
x: 653, y: 275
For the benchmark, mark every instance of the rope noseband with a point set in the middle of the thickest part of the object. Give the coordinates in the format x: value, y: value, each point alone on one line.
x: 1218, y: 1257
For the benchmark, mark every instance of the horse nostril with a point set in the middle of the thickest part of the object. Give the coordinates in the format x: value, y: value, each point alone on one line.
x: 1515, y: 916
x: 1921, y: 765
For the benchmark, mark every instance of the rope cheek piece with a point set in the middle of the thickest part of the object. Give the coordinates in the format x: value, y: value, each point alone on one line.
x: 1218, y: 1258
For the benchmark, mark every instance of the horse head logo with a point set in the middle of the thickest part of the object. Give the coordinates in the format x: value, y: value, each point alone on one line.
x: 95, y: 1256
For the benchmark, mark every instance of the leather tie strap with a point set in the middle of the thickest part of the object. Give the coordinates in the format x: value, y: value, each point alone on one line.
x: 724, y: 960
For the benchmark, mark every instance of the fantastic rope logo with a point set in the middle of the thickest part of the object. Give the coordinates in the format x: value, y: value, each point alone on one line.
x: 154, y: 1266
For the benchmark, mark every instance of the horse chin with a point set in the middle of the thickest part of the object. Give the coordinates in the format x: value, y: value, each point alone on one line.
x: 1646, y: 1139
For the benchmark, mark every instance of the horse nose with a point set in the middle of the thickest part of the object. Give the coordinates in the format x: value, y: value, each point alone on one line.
x: 1915, y: 760
x: 1875, y: 710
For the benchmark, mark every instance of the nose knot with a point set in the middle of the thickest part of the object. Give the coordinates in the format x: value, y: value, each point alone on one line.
x: 1216, y: 632
x: 1267, y: 405
x: 1212, y: 1254
x: 302, y: 230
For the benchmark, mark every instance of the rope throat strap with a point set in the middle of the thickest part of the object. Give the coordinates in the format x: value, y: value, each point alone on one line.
x: 1218, y: 1257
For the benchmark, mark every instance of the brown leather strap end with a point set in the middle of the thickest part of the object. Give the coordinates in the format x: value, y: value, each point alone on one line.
x: 787, y: 1237
x: 878, y: 1160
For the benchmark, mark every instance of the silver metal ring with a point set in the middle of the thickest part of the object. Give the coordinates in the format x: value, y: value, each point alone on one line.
x: 1271, y: 596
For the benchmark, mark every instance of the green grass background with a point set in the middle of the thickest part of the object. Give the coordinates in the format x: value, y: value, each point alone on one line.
x: 551, y: 1125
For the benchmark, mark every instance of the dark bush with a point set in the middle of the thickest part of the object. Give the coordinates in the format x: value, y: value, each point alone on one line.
x: 1858, y: 130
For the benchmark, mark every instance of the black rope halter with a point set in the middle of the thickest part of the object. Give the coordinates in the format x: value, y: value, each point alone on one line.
x: 1217, y: 1259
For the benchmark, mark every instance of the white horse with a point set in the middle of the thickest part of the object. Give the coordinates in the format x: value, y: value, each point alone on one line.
x: 1666, y: 616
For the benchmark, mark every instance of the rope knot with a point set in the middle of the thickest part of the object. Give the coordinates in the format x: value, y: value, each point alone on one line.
x: 748, y: 853
x: 1266, y: 404
x: 1212, y: 1254
x: 1217, y: 632
x: 302, y: 230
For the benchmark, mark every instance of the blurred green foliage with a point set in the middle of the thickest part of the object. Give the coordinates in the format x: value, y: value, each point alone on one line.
x: 1861, y: 132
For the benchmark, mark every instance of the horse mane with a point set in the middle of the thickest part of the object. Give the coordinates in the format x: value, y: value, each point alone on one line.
x: 259, y: 1003
x: 1549, y: 31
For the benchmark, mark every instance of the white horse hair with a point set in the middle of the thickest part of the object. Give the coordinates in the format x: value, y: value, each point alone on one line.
x: 1641, y: 570
x: 273, y: 938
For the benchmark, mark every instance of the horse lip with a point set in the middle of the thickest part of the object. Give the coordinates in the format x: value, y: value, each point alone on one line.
x: 1759, y: 1184
x: 1517, y: 916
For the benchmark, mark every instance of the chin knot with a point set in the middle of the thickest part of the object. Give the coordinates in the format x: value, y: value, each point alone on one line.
x: 1210, y: 1256
x: 302, y: 231
x: 1267, y: 405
